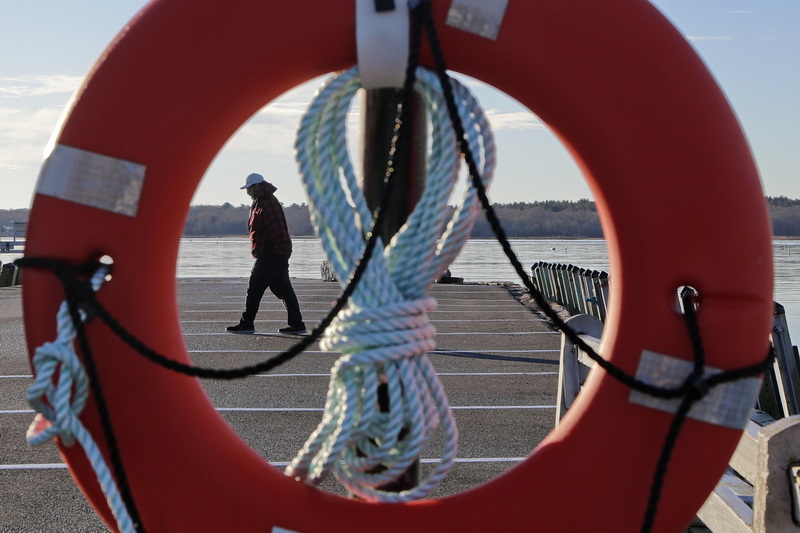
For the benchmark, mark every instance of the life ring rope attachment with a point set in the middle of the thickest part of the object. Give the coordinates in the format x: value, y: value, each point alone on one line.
x: 61, y: 388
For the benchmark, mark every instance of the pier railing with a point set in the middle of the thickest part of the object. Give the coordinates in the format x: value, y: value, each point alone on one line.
x: 579, y: 290
x: 17, y: 234
x: 10, y: 275
x: 760, y: 492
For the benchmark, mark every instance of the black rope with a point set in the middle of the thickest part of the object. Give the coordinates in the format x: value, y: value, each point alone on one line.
x: 663, y: 463
x: 80, y: 297
x: 500, y: 234
x: 693, y: 389
x: 76, y: 295
x: 92, y: 306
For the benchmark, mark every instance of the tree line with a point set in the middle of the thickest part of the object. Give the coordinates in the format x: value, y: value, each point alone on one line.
x: 550, y: 218
x: 228, y: 220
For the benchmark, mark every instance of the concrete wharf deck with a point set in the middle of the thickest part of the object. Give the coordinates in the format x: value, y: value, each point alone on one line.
x: 498, y: 362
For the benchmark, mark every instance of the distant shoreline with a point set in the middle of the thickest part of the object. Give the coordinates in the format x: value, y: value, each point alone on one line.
x: 539, y: 220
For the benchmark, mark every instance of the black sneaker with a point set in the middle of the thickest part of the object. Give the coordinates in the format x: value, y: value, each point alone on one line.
x: 293, y: 331
x: 242, y: 328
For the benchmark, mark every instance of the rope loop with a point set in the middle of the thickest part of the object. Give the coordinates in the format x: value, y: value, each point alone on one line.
x: 58, y: 370
x: 402, y: 328
x: 384, y: 334
x: 61, y: 388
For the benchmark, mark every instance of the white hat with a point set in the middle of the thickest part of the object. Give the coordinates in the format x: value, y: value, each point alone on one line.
x: 252, y: 179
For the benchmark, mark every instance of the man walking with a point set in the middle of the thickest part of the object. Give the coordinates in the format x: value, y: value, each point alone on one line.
x: 271, y: 245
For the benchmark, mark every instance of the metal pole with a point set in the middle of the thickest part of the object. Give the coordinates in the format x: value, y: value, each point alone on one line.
x: 377, y: 127
x: 379, y: 111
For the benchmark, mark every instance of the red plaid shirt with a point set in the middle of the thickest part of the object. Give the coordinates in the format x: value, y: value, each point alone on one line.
x: 267, y: 225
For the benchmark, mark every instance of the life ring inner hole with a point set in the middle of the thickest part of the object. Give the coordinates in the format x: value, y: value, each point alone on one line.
x: 519, y: 132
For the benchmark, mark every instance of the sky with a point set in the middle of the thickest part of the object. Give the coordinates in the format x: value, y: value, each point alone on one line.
x: 752, y: 47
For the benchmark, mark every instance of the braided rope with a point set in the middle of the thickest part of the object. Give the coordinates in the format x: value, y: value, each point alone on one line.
x: 384, y: 334
x: 59, y: 395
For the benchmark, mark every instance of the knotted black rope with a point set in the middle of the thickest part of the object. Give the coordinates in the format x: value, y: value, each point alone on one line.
x: 80, y: 298
x: 692, y: 390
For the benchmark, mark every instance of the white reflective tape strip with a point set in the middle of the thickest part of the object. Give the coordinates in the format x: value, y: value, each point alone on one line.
x: 728, y: 404
x: 276, y: 529
x: 92, y: 179
x: 481, y: 17
x: 382, y: 44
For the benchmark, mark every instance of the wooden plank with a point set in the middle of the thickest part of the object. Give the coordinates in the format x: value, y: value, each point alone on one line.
x: 724, y: 510
x: 745, y: 458
x: 779, y: 448
x: 794, y: 487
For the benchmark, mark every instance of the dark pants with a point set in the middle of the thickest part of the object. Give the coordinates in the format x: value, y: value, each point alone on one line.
x: 272, y: 272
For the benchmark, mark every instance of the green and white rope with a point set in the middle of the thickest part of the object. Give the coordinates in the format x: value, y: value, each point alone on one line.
x: 384, y: 334
x: 59, y: 395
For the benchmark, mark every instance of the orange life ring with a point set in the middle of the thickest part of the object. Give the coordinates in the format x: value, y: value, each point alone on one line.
x: 676, y: 187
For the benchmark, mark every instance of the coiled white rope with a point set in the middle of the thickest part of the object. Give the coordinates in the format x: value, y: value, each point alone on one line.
x: 384, y: 333
x: 59, y: 395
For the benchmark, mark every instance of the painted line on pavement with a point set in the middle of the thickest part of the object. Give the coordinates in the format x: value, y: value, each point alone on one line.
x: 440, y: 374
x: 438, y: 334
x: 320, y: 409
x: 450, y: 374
x: 440, y: 352
x: 238, y: 310
x: 282, y: 464
x: 481, y: 352
x: 461, y: 303
x: 500, y: 333
x: 42, y: 466
x: 433, y: 321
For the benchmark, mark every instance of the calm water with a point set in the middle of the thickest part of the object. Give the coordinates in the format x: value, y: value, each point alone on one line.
x: 480, y: 260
